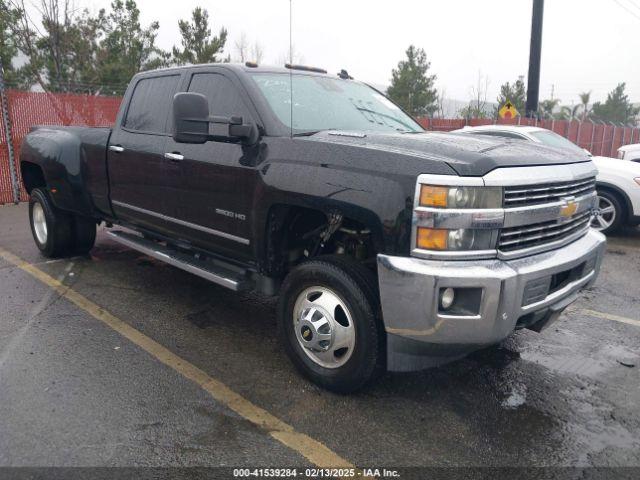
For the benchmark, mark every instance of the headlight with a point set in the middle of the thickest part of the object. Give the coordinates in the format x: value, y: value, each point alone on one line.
x: 455, y: 240
x: 460, y: 197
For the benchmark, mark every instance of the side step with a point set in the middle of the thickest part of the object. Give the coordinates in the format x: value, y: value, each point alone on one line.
x: 214, y: 272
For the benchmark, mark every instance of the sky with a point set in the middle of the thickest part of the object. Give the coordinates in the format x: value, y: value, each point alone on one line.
x: 587, y: 44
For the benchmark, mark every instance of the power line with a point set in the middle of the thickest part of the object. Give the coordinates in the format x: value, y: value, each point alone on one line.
x: 627, y: 9
x: 634, y: 4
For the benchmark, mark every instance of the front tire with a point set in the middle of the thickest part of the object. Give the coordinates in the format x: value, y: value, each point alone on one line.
x: 609, y: 214
x: 329, y: 323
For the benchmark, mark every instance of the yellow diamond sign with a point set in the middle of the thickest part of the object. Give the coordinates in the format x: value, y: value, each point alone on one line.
x: 508, y: 111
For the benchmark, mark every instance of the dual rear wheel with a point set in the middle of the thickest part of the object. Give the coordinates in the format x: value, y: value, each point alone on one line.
x: 58, y: 233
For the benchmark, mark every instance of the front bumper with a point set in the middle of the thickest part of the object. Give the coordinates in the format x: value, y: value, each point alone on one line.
x: 420, y: 334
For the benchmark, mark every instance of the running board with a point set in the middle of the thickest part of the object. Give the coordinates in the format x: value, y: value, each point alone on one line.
x: 215, y: 273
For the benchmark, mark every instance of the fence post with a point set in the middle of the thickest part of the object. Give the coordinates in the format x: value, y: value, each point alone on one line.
x: 7, y: 135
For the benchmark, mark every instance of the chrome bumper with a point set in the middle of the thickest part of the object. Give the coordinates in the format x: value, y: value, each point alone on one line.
x: 420, y: 335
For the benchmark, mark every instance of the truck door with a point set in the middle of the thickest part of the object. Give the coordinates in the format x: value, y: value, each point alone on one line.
x: 143, y: 182
x: 215, y: 198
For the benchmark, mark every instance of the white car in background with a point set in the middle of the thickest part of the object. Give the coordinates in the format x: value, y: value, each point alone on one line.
x: 618, y: 183
x: 630, y: 152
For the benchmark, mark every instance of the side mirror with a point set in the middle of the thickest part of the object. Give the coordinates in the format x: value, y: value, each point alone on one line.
x: 587, y: 152
x: 190, y: 118
x: 192, y: 123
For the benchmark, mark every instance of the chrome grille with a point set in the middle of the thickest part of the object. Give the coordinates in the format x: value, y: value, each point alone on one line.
x: 539, y: 194
x: 526, y: 236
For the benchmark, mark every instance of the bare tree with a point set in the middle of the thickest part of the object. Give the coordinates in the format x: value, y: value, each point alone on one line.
x: 440, y: 97
x: 290, y: 56
x: 246, y: 52
x: 242, y: 48
x: 479, y: 95
x: 257, y: 52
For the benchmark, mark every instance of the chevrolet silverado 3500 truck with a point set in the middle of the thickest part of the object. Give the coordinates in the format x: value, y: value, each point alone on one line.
x: 389, y: 247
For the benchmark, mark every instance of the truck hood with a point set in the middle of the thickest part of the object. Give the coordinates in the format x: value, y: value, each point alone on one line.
x: 468, y: 155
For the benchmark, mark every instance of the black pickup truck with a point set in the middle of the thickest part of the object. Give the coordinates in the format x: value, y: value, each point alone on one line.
x: 390, y: 247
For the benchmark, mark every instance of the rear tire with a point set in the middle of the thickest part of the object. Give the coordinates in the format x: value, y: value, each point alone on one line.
x: 51, y: 227
x: 330, y: 325
x: 84, y: 234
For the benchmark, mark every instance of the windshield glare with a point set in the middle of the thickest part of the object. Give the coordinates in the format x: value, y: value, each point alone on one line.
x: 322, y: 103
x: 554, y: 140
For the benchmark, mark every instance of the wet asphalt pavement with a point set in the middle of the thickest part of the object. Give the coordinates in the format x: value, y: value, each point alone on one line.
x: 73, y: 392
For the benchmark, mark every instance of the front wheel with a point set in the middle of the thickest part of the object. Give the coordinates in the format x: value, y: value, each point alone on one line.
x: 329, y: 323
x: 609, y: 212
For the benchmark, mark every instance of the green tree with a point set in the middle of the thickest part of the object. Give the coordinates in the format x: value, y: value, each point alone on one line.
x: 411, y: 86
x: 567, y: 113
x: 585, y: 98
x: 547, y: 107
x: 8, y: 47
x: 60, y: 51
x: 617, y: 108
x: 198, y: 46
x: 127, y: 46
x: 513, y: 92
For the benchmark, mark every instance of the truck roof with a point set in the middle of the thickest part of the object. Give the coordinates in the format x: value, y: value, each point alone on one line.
x: 250, y: 67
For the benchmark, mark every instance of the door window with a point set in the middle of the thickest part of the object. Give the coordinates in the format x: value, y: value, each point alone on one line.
x: 151, y: 104
x: 224, y: 98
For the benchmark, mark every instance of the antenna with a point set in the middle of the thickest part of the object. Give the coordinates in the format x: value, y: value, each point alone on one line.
x: 291, y: 63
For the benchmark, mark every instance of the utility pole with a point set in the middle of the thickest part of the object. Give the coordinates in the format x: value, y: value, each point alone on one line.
x: 535, y: 53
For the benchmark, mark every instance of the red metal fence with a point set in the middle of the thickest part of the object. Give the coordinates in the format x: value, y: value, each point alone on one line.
x: 34, y: 108
x: 599, y: 139
x: 31, y: 108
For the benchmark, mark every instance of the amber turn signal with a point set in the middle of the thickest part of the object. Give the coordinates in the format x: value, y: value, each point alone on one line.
x: 431, y: 196
x: 432, y: 238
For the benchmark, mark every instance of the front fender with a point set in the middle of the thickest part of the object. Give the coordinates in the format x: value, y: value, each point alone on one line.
x: 373, y: 187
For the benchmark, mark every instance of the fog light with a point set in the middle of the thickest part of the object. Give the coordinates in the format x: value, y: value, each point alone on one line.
x: 447, y: 297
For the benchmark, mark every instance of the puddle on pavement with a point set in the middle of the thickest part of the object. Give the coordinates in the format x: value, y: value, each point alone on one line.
x: 592, y: 366
x: 515, y: 398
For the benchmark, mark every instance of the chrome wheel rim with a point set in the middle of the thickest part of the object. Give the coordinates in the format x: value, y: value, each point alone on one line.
x: 324, y: 327
x: 39, y: 223
x: 604, y: 215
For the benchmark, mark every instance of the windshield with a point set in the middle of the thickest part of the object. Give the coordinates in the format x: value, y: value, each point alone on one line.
x: 554, y: 140
x: 322, y: 103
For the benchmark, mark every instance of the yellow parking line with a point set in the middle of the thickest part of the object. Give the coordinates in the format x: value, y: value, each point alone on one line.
x: 316, y: 452
x: 608, y: 316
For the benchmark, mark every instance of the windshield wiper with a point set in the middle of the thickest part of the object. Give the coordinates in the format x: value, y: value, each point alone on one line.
x: 313, y: 132
x: 307, y: 134
x: 386, y: 115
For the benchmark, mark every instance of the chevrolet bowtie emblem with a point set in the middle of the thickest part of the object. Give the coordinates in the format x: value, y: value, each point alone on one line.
x: 569, y: 209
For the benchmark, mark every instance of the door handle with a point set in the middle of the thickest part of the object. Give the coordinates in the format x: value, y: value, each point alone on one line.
x: 174, y: 156
x: 116, y: 148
